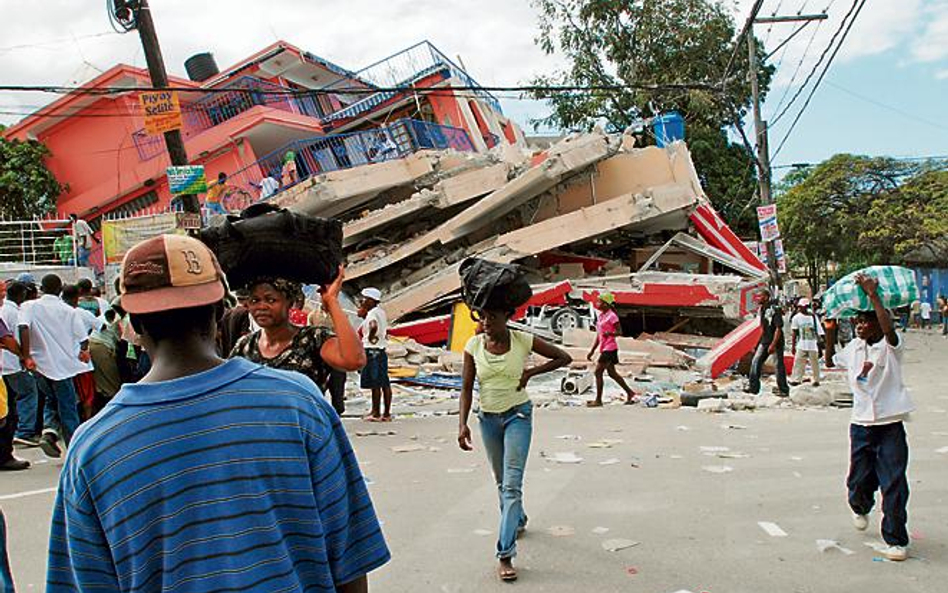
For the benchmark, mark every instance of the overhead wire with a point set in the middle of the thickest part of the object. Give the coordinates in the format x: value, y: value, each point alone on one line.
x: 826, y: 51
x: 829, y: 62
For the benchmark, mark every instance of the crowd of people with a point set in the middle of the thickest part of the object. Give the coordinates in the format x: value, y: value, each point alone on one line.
x: 183, y: 429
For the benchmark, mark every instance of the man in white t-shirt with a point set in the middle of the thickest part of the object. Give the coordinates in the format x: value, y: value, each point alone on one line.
x: 85, y: 238
x: 20, y: 384
x: 878, y: 447
x: 926, y: 311
x: 805, y: 330
x: 374, y: 332
x: 49, y: 332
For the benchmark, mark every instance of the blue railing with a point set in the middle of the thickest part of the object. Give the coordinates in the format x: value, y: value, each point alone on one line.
x: 323, y: 154
x: 402, y: 70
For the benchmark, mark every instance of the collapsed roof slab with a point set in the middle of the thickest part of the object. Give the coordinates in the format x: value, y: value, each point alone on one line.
x: 627, y: 211
x: 565, y: 158
x: 451, y: 191
x: 334, y: 193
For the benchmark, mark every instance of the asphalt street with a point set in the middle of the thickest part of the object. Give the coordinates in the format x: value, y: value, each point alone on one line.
x: 689, y: 489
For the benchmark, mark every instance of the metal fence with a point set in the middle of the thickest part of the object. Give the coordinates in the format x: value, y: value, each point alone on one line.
x: 402, y: 70
x: 323, y: 154
x: 38, y: 242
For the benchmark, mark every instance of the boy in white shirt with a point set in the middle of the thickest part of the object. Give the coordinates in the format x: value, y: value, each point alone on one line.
x: 878, y: 448
x: 374, y: 332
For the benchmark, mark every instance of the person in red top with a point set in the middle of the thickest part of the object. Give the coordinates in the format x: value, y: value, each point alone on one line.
x: 607, y: 329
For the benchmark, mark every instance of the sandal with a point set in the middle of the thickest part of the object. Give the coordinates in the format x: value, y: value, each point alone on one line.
x: 507, y: 574
x: 371, y: 418
x: 593, y: 404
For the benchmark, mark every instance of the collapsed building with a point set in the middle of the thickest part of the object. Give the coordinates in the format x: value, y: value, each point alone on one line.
x: 590, y: 213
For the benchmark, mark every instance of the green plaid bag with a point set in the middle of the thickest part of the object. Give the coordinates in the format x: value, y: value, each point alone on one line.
x: 897, y: 288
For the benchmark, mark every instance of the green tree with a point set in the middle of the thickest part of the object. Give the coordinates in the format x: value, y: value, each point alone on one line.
x: 859, y: 210
x: 27, y: 187
x: 668, y: 43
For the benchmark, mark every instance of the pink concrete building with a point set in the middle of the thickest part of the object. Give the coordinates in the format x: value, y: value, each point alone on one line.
x: 280, y: 100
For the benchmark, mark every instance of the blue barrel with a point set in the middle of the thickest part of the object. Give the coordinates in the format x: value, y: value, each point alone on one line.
x: 668, y: 127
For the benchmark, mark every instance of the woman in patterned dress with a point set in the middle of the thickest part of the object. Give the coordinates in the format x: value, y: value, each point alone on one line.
x: 309, y: 350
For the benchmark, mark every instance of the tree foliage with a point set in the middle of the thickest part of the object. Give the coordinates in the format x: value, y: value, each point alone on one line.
x: 657, y: 42
x: 858, y: 211
x: 27, y: 187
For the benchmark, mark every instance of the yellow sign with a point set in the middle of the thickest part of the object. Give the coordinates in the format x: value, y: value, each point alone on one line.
x: 462, y: 327
x: 118, y: 236
x: 162, y: 111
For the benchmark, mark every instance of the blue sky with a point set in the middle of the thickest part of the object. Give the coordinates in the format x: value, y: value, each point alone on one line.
x: 896, y: 54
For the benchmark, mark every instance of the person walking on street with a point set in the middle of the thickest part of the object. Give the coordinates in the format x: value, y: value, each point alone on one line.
x: 49, y: 332
x: 374, y: 331
x: 608, y: 328
x: 497, y: 357
x: 925, y: 311
x: 84, y: 381
x: 20, y: 383
x: 221, y: 475
x: 771, y: 343
x: 878, y: 446
x: 8, y: 416
x: 312, y: 351
x: 805, y: 347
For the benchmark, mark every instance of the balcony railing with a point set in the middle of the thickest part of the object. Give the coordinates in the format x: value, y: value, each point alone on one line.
x: 402, y: 70
x: 216, y: 108
x: 323, y: 154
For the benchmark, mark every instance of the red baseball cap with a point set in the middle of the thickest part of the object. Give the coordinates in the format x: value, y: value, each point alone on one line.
x: 170, y: 272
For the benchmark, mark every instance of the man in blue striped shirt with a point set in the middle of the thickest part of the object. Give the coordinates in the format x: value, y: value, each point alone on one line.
x: 208, y: 476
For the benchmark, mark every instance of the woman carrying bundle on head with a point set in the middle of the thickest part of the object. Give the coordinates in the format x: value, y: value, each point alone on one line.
x: 497, y: 356
x: 312, y: 351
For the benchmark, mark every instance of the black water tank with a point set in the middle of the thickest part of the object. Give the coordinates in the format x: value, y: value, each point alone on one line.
x: 202, y: 66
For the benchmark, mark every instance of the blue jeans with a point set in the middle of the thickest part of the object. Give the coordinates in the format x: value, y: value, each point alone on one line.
x: 878, y: 460
x: 62, y: 405
x: 82, y: 256
x: 22, y: 386
x: 757, y: 368
x: 506, y: 439
x: 6, y: 576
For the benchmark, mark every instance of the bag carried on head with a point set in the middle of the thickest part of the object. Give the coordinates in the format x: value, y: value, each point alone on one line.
x: 269, y: 241
x: 492, y: 285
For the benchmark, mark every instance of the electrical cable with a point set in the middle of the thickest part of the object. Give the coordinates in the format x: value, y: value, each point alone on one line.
x: 806, y: 103
x: 748, y: 26
x: 819, y: 62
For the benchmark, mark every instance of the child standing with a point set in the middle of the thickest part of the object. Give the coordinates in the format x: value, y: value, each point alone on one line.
x: 374, y: 332
x: 607, y: 329
x: 878, y: 447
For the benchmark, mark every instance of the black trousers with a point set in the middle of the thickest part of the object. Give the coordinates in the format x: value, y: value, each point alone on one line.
x: 878, y: 460
x: 8, y: 429
x: 337, y: 390
x: 757, y: 367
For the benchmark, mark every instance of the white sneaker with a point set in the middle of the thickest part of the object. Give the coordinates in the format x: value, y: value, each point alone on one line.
x: 860, y: 522
x: 895, y: 553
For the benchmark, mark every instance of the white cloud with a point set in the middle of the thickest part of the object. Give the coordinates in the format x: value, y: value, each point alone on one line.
x: 494, y: 37
x: 932, y: 44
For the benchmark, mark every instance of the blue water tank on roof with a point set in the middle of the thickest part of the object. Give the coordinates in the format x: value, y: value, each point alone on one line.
x: 668, y: 127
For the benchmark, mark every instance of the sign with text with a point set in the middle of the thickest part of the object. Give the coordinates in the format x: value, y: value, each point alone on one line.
x: 162, y: 111
x: 767, y: 220
x: 187, y: 180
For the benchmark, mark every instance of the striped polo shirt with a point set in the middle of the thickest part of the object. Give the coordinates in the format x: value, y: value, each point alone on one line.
x: 240, y: 478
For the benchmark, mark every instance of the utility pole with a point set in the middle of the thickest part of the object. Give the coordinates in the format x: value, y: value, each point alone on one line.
x: 760, y: 129
x: 124, y: 9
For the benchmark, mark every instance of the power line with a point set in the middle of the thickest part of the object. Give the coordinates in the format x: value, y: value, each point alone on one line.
x: 748, y: 26
x: 60, y: 41
x: 806, y: 103
x: 819, y: 62
x: 796, y: 71
x: 889, y: 107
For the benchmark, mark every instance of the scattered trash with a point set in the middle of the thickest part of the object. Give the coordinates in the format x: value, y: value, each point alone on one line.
x: 772, y: 529
x: 460, y: 470
x: 570, y: 437
x: 942, y: 450
x: 610, y: 461
x: 707, y: 449
x: 600, y: 530
x: 599, y: 445
x: 717, y: 469
x: 824, y: 545
x: 632, y: 571
x: 877, y: 546
x: 372, y: 433
x: 729, y: 455
x: 796, y: 458
x: 682, y: 427
x: 561, y: 530
x: 408, y: 448
x: 565, y: 457
x: 733, y: 427
x: 615, y: 545
x: 483, y: 532
x: 675, y: 457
